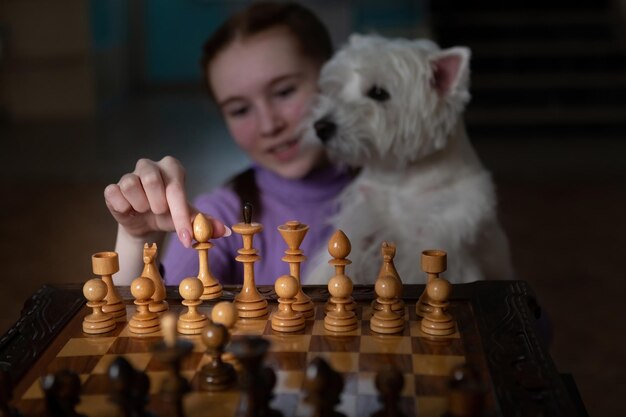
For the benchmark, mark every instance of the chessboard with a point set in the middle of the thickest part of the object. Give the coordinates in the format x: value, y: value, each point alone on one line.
x: 495, y: 334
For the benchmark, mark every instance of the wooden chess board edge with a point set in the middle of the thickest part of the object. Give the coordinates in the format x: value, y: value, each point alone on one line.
x: 44, y: 314
x: 524, y: 377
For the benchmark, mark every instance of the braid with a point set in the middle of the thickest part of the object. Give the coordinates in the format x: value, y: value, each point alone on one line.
x: 245, y: 186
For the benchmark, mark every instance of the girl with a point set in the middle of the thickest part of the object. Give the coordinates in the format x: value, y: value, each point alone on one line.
x: 261, y: 68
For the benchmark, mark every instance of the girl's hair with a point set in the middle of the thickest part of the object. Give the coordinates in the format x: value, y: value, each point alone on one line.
x: 313, y: 40
x: 310, y: 33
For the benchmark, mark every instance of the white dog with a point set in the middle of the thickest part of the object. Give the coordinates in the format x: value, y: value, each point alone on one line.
x: 394, y: 108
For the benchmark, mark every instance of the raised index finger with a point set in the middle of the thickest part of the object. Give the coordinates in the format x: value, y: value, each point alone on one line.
x: 174, y: 176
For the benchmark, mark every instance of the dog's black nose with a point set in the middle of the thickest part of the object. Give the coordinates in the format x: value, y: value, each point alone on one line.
x: 325, y: 129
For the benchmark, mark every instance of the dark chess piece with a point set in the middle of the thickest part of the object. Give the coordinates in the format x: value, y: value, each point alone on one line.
x: 216, y: 375
x: 6, y: 394
x: 172, y: 351
x: 466, y: 394
x: 389, y: 384
x: 268, y: 382
x: 129, y: 388
x: 62, y: 393
x: 323, y: 386
x: 255, y: 383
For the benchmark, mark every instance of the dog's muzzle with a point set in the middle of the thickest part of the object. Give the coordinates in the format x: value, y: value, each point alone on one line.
x: 325, y: 129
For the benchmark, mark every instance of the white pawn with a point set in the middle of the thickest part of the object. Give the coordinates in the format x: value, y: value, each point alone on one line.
x: 168, y: 326
x: 287, y: 320
x: 438, y: 322
x: 191, y: 322
x: 143, y: 321
x: 385, y: 320
x: 98, y: 322
x: 225, y: 313
x: 338, y: 318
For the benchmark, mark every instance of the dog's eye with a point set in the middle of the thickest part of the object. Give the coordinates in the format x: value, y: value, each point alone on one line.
x: 377, y: 93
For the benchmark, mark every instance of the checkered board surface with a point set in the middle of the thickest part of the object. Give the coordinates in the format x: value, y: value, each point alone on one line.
x: 425, y: 362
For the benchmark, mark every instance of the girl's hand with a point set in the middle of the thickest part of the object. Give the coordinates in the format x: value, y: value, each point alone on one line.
x: 152, y: 199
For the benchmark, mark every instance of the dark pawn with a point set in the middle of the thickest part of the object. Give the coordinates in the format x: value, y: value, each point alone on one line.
x: 268, y: 382
x: 129, y: 388
x: 6, y: 395
x: 466, y: 394
x: 175, y: 386
x: 323, y: 387
x: 62, y: 392
x: 389, y: 384
x: 216, y: 375
x: 250, y: 351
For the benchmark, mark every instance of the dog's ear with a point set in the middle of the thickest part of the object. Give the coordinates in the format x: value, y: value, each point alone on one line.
x: 450, y: 69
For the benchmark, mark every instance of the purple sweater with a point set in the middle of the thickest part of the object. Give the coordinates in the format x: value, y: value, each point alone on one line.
x: 310, y: 200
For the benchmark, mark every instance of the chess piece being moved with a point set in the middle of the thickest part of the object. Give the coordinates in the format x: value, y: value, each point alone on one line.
x: 433, y: 263
x: 322, y: 386
x: 385, y: 320
x: 216, y: 375
x: 293, y: 233
x: 129, y: 388
x: 62, y: 392
x: 249, y: 302
x: 287, y: 320
x: 150, y: 270
x: 97, y: 322
x: 106, y: 264
x: 192, y: 321
x: 202, y: 232
x: 338, y: 318
x: 143, y: 321
x: 388, y: 252
x: 389, y: 384
x: 339, y: 248
x: 171, y: 351
x: 6, y: 394
x: 438, y: 322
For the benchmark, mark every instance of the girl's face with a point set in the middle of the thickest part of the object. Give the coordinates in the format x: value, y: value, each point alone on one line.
x: 264, y: 87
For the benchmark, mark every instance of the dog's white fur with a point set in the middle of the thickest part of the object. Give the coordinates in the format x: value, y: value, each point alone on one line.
x: 421, y: 185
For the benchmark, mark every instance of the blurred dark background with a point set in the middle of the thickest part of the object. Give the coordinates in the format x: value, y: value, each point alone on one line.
x: 89, y: 86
